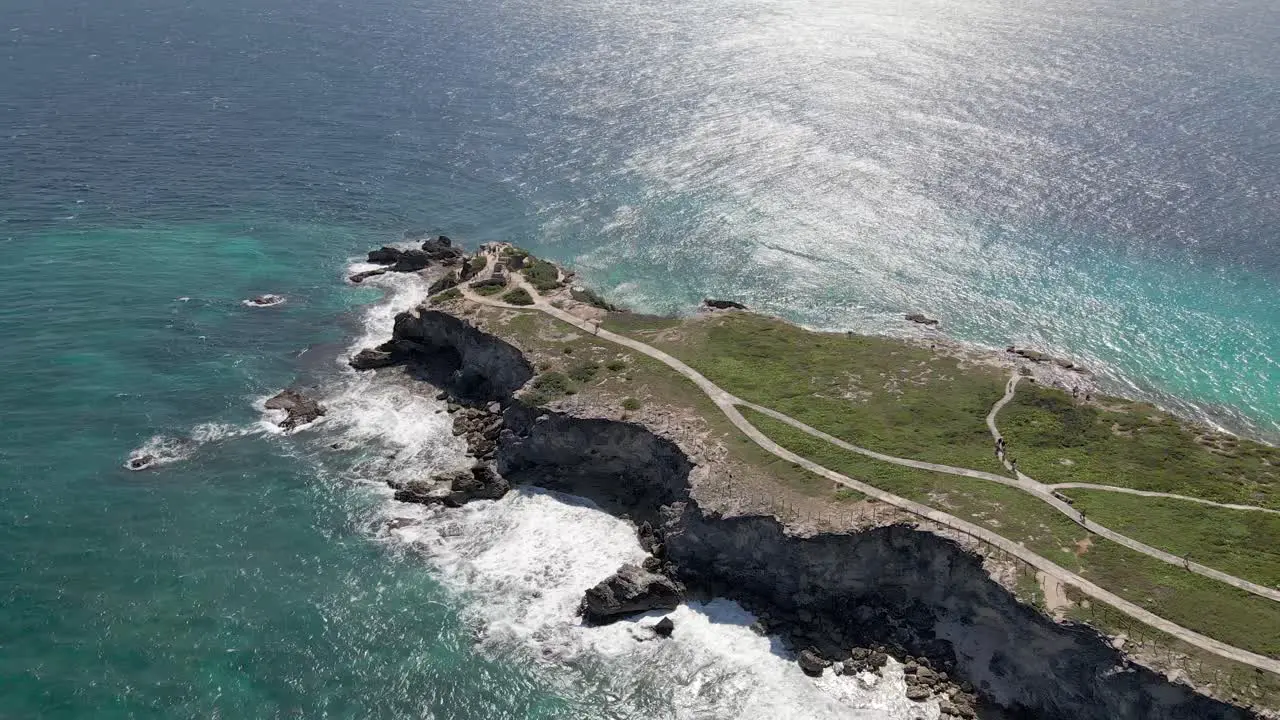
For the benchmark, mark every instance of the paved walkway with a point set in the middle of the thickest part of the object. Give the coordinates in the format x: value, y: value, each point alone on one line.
x: 1151, y: 493
x: 727, y: 403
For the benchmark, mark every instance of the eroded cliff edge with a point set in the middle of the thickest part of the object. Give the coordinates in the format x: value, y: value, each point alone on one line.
x: 910, y: 590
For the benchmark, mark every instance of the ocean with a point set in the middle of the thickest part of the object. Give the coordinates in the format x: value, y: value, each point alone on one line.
x: 1099, y: 179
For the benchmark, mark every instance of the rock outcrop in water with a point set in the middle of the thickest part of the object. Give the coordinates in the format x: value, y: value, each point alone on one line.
x: 629, y: 591
x: 299, y: 409
x: 723, y: 304
x: 913, y: 592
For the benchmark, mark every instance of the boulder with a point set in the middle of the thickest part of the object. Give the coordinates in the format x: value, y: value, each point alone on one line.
x: 918, y: 693
x: 723, y: 304
x: 360, y: 276
x: 811, y: 662
x: 449, y: 280
x: 664, y: 628
x: 629, y: 591
x: 412, y: 261
x: 480, y: 483
x: 385, y: 255
x: 299, y: 409
x: 921, y: 319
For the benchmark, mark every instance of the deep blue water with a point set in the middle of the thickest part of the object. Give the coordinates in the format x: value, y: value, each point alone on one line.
x: 1100, y: 178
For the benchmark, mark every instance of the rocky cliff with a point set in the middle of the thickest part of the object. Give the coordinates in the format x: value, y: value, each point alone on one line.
x: 912, y: 591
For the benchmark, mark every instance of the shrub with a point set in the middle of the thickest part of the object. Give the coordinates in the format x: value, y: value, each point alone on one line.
x: 630, y: 404
x: 584, y: 371
x: 488, y: 290
x: 446, y: 296
x: 519, y: 296
x: 590, y: 297
x: 542, y: 275
x: 547, y: 387
x: 616, y: 365
x: 568, y: 350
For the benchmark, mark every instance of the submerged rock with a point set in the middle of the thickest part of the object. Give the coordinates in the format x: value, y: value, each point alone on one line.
x: 265, y: 300
x: 723, y: 304
x: 921, y: 319
x: 299, y: 409
x: 629, y: 591
x: 361, y: 276
x: 141, y: 462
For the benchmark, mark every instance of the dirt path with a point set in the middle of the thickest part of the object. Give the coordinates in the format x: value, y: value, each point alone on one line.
x: 727, y: 403
x: 1152, y: 493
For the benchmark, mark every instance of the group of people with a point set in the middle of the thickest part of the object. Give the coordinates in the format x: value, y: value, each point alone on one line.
x: 1001, y: 449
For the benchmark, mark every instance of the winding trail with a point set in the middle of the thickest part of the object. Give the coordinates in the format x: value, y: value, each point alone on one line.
x: 1152, y: 493
x: 728, y: 404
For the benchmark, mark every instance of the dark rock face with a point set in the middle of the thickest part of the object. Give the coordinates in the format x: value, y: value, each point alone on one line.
x: 412, y: 261
x: 629, y: 591
x: 385, y: 255
x: 921, y: 319
x: 456, y: 356
x: 449, y: 280
x: 811, y: 662
x: 664, y: 627
x: 723, y: 304
x: 480, y: 428
x: 299, y: 408
x: 361, y: 276
x: 441, y: 250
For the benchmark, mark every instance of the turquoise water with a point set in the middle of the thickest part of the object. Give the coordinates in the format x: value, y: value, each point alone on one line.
x: 1094, y: 178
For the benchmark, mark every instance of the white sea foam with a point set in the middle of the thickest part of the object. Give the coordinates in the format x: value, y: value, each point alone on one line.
x: 167, y: 449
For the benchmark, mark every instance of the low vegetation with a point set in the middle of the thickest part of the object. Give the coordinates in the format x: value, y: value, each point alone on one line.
x: 518, y: 296
x: 590, y: 297
x: 1057, y: 439
x: 487, y: 290
x: 447, y: 296
x: 542, y: 275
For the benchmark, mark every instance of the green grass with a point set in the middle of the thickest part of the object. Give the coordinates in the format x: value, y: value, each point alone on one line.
x: 487, y: 290
x: 1193, y: 601
x: 878, y: 393
x: 1243, y: 543
x: 1127, y: 444
x: 650, y: 382
x: 518, y: 296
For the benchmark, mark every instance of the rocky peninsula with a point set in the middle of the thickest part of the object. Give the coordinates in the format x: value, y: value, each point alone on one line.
x: 547, y: 405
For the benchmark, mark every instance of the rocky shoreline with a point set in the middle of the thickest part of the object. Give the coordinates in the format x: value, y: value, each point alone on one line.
x: 844, y: 602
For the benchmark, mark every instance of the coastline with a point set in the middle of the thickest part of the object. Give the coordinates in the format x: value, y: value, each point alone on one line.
x: 578, y: 407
